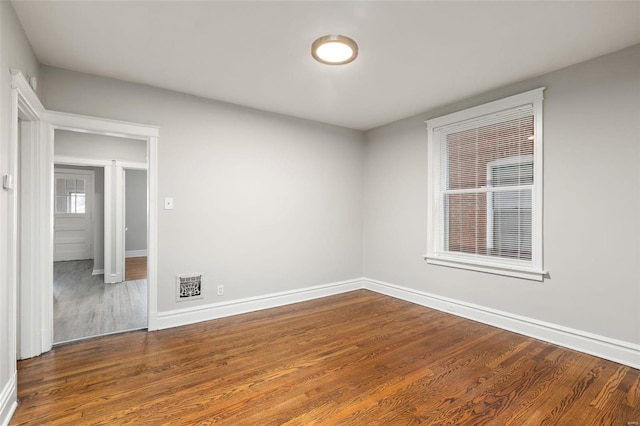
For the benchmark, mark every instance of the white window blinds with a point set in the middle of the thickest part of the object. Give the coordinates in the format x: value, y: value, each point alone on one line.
x: 486, y: 185
x: 484, y: 194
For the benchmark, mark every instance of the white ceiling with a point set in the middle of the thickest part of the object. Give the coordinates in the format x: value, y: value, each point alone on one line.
x: 414, y: 55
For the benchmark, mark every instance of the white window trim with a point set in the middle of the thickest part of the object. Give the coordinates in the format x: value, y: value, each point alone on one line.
x: 435, y: 255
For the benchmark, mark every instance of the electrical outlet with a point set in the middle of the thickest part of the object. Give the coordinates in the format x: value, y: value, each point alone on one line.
x: 220, y: 290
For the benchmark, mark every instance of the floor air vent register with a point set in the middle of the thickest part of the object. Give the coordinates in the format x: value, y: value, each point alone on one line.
x: 188, y: 287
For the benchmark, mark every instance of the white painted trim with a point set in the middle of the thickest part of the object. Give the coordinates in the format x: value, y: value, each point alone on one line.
x: 76, y: 171
x: 152, y: 233
x: 123, y: 215
x: 97, y: 162
x: 488, y: 108
x: 119, y: 223
x: 97, y: 272
x: 34, y: 235
x: 131, y: 165
x: 29, y: 311
x: 150, y: 134
x: 101, y: 126
x: 604, y: 347
x: 436, y: 252
x: 476, y: 264
x: 13, y: 257
x: 135, y: 253
x: 113, y: 220
x: 537, y: 217
x: 212, y: 311
x: 28, y: 95
x: 8, y: 400
x: 107, y: 225
x: 46, y: 236
x: 80, y: 161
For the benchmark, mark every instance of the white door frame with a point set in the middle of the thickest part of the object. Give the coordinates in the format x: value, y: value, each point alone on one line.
x: 36, y: 227
x: 36, y: 233
x: 80, y: 123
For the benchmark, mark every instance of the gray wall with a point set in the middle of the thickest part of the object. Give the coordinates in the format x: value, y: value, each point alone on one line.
x: 136, y: 210
x: 15, y: 52
x: 263, y: 202
x: 591, y: 204
x: 100, y: 147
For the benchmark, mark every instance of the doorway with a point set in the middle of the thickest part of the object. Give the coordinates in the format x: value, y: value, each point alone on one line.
x: 31, y: 243
x: 73, y: 214
x: 91, y: 294
x: 135, y: 224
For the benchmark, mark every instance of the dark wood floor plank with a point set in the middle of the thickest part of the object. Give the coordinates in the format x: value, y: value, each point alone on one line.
x: 135, y: 268
x: 351, y: 359
x: 607, y: 390
x: 633, y: 393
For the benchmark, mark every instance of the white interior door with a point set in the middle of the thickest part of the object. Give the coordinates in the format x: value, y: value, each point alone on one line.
x: 73, y: 220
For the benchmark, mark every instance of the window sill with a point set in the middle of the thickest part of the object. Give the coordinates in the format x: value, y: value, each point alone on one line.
x: 491, y: 268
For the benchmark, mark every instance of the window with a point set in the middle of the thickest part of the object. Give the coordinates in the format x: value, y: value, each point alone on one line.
x: 70, y: 195
x: 509, y: 212
x: 485, y: 191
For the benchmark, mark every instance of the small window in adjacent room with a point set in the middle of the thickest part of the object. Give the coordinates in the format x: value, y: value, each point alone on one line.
x: 70, y: 194
x: 485, y: 191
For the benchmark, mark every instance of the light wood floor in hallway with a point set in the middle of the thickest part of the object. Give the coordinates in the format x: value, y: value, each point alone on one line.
x: 358, y: 358
x: 84, y: 306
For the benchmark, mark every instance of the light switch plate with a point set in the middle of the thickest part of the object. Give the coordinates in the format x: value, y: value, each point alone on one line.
x: 168, y: 203
x: 7, y: 182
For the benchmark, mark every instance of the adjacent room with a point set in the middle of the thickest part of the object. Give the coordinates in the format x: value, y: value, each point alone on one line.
x: 99, y: 268
x: 312, y: 212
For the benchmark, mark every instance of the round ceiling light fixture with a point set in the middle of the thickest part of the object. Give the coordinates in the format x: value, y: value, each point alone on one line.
x: 334, y: 50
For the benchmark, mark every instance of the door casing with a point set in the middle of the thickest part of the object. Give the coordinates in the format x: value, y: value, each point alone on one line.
x: 36, y: 230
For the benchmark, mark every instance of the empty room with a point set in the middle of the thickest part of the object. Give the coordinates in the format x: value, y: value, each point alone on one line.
x: 320, y: 212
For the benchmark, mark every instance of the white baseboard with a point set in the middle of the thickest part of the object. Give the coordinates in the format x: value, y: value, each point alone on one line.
x: 212, y: 311
x: 135, y: 253
x: 8, y: 400
x: 98, y: 272
x: 604, y: 347
x: 615, y: 350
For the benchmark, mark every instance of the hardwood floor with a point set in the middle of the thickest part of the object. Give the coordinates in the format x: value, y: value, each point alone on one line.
x: 135, y: 268
x: 358, y: 358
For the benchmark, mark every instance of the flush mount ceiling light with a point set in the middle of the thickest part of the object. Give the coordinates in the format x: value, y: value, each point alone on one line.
x: 334, y: 50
